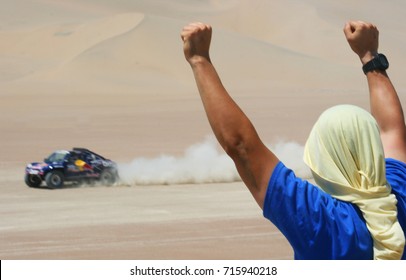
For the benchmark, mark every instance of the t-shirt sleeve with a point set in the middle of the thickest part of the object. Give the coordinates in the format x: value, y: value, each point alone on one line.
x: 316, y: 225
x: 396, y: 176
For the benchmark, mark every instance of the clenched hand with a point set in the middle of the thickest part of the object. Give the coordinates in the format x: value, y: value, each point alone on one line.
x: 196, y: 41
x: 363, y: 38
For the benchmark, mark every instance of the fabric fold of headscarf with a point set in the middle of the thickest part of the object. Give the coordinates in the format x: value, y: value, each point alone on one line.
x: 345, y: 153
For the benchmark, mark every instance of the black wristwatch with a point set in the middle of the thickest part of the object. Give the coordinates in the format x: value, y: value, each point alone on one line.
x: 379, y: 62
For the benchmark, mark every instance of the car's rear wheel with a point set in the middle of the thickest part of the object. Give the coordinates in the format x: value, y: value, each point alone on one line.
x: 33, y: 181
x: 54, y: 179
x: 108, y: 177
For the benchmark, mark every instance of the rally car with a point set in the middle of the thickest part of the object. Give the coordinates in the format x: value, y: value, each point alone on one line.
x: 77, y: 166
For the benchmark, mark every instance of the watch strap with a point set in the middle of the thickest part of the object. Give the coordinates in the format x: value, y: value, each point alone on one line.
x: 379, y: 62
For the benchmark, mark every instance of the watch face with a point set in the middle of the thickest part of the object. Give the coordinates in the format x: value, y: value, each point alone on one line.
x: 383, y: 60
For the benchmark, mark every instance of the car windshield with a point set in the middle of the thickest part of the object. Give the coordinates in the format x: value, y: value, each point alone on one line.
x: 56, y: 157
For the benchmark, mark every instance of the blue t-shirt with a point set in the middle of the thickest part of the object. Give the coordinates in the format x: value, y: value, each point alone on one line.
x: 317, y: 225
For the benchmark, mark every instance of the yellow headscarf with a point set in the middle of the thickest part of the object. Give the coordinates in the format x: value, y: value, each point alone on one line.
x: 345, y: 153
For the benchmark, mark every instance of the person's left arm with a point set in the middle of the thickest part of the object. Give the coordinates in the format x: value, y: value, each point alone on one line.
x: 232, y: 128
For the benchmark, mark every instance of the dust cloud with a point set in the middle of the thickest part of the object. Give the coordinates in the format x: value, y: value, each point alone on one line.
x: 202, y: 163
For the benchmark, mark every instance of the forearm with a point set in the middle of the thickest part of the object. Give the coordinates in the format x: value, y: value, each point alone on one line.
x: 230, y: 125
x: 385, y: 103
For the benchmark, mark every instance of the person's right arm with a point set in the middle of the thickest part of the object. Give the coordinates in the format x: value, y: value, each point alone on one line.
x: 232, y: 128
x: 384, y: 101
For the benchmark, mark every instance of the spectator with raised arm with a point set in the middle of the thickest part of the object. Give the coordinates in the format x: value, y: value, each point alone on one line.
x: 357, y: 210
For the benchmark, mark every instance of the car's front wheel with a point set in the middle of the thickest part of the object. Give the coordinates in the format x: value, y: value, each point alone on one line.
x: 33, y: 181
x: 54, y: 179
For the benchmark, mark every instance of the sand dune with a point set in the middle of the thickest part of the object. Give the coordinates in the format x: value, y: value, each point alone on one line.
x: 49, y: 48
x: 89, y: 52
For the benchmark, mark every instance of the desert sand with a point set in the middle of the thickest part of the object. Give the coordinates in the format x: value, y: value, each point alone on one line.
x: 110, y: 76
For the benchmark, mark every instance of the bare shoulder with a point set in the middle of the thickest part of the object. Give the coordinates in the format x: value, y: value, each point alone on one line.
x: 394, y: 144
